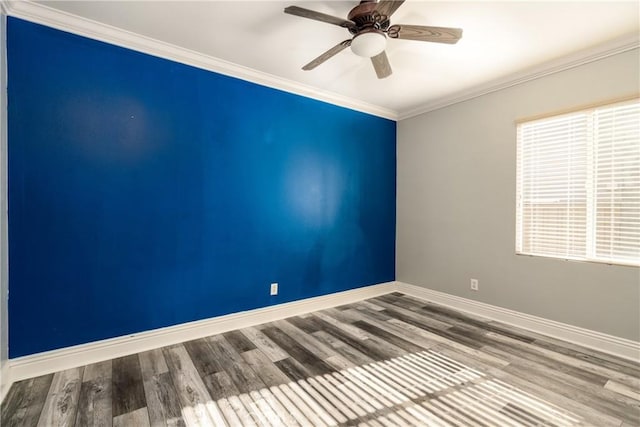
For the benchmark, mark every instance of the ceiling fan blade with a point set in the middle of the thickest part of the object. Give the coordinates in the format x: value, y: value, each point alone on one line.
x: 381, y: 65
x: 318, y: 16
x: 425, y: 34
x: 328, y: 54
x: 388, y: 7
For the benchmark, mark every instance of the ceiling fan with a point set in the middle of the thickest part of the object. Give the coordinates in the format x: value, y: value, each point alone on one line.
x: 370, y: 26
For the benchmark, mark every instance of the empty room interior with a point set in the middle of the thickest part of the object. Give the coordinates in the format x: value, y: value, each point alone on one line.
x: 320, y: 213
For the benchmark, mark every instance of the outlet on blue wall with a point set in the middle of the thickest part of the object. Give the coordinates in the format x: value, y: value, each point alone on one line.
x: 145, y: 193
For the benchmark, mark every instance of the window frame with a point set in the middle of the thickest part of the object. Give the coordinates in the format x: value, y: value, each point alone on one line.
x: 591, y: 225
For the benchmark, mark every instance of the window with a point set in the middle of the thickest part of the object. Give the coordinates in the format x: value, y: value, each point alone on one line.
x: 578, y: 185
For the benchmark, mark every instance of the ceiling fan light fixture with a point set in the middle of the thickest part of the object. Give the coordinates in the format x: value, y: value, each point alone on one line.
x: 369, y: 44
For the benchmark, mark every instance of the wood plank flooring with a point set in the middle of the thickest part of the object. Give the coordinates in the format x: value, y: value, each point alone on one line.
x: 389, y: 361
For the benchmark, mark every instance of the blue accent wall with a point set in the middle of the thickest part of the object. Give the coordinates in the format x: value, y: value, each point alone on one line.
x: 145, y: 193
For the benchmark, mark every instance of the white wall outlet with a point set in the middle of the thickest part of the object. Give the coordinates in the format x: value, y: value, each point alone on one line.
x: 474, y: 284
x: 274, y: 289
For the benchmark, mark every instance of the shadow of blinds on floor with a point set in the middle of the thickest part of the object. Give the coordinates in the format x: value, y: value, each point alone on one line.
x: 424, y: 388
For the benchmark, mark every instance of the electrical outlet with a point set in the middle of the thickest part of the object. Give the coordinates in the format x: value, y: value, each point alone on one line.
x: 274, y: 289
x: 474, y: 284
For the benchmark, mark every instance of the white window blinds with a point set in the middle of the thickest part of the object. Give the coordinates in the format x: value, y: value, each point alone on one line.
x: 578, y: 185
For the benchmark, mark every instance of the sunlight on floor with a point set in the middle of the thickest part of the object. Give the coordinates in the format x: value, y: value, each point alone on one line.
x: 419, y: 389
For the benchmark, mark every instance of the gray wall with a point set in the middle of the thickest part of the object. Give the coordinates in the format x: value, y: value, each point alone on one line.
x: 4, y: 292
x: 456, y: 205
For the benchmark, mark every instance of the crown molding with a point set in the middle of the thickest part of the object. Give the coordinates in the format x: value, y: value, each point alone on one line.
x: 573, y: 60
x: 42, y: 14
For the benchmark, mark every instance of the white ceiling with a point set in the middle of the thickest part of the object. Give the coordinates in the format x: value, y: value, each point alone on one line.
x: 500, y: 39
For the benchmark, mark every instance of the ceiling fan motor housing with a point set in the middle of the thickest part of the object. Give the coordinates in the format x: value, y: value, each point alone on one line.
x: 366, y: 17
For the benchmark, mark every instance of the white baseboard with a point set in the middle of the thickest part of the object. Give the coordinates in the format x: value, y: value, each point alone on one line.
x: 616, y: 346
x: 79, y: 355
x: 56, y: 360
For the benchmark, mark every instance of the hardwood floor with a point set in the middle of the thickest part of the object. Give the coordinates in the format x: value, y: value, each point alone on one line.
x: 388, y: 361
